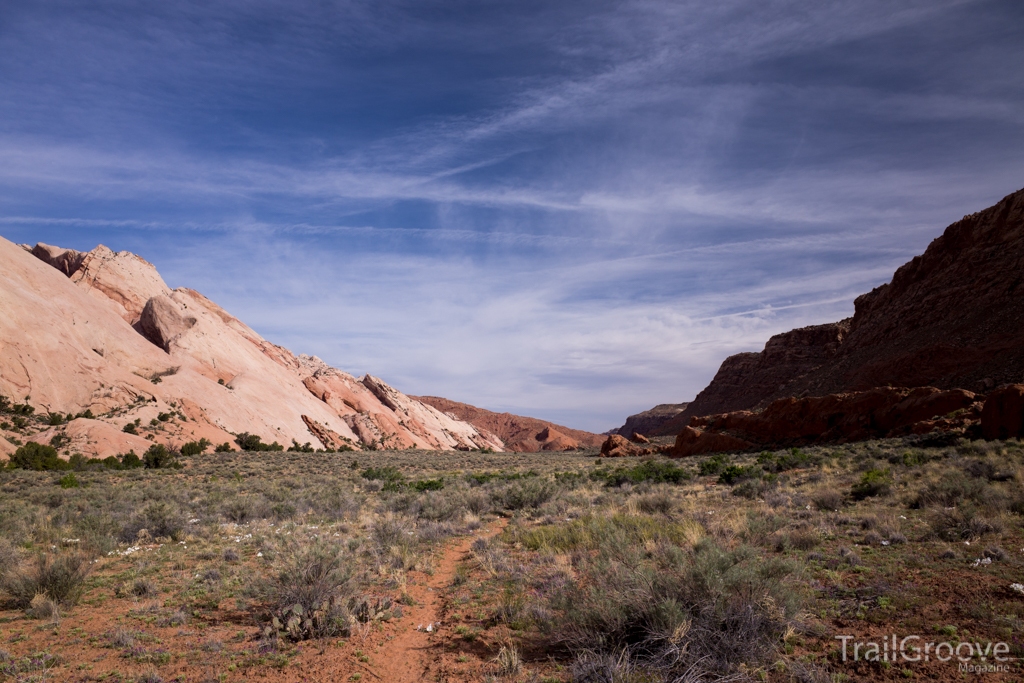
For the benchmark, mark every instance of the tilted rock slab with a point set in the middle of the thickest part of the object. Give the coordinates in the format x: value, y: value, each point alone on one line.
x: 101, y: 331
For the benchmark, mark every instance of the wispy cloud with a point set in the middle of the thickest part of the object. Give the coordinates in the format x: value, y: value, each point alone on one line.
x: 571, y: 210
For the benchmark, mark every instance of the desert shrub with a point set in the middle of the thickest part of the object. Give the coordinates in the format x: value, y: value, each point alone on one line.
x: 951, y: 490
x: 304, y: 448
x: 34, y: 456
x: 130, y: 461
x: 60, y: 577
x: 592, y: 532
x: 223, y: 448
x: 242, y: 509
x: 787, y: 460
x: 386, y: 474
x: 129, y: 428
x: 736, y: 473
x: 828, y: 500
x: 427, y: 485
x: 481, y: 478
x: 252, y: 442
x: 69, y: 481
x: 195, y: 447
x: 437, y: 507
x: 804, y: 539
x: 714, y: 465
x: 387, y: 532
x: 22, y: 409
x: 9, y: 557
x: 158, y: 457
x: 752, y: 487
x: 874, y: 482
x: 524, y: 494
x: 986, y: 469
x: 679, y: 613
x: 961, y: 524
x: 910, y: 458
x: 656, y: 502
x: 653, y: 471
x: 309, y: 596
x: 158, y: 518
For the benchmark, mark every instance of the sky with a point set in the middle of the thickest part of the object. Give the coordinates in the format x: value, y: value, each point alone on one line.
x: 570, y: 210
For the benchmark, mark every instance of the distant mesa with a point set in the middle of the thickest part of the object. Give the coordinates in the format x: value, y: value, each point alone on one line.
x: 650, y: 421
x: 951, y: 320
x: 100, y: 333
x: 518, y: 433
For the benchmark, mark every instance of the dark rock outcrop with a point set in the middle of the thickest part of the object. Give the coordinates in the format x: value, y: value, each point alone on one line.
x: 1003, y: 415
x: 650, y: 421
x: 745, y: 380
x: 616, y: 446
x: 951, y: 317
x: 876, y: 413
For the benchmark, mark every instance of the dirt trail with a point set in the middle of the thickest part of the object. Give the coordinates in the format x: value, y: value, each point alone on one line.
x: 405, y: 658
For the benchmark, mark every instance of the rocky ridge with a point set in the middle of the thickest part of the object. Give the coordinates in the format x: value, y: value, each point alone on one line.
x: 950, y: 318
x: 650, y: 421
x: 521, y: 434
x: 99, y: 334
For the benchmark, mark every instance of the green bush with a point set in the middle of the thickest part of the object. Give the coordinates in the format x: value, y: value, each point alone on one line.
x: 34, y: 456
x: 223, y: 448
x: 69, y: 481
x: 304, y: 448
x: 714, y: 465
x: 875, y: 482
x: 195, y: 447
x: 792, y: 459
x: 385, y: 473
x: 737, y: 473
x: 22, y: 409
x: 252, y: 443
x: 129, y: 428
x: 130, y: 461
x: 428, y: 485
x: 653, y: 471
x: 158, y: 457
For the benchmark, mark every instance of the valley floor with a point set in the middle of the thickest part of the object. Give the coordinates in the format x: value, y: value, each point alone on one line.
x: 412, y: 565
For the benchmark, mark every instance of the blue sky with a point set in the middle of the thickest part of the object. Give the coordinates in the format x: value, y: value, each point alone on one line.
x: 573, y: 210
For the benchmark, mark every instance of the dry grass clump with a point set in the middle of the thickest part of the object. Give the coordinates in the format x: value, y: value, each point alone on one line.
x: 59, y: 577
x: 309, y: 596
x: 674, y: 612
x: 962, y: 524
